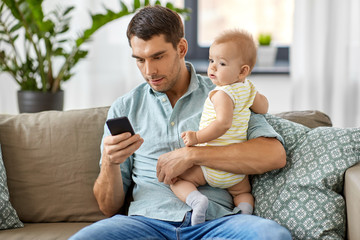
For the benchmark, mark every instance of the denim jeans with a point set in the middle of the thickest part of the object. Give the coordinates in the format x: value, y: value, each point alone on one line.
x: 239, y: 226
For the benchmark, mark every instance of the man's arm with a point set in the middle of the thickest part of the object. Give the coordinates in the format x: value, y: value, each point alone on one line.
x: 108, y: 187
x: 261, y: 153
x: 254, y: 156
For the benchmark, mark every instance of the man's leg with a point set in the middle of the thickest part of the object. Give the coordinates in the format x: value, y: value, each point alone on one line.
x: 239, y: 226
x: 126, y: 227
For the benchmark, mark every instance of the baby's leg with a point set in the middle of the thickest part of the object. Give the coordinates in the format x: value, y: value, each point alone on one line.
x: 243, y: 198
x: 186, y: 190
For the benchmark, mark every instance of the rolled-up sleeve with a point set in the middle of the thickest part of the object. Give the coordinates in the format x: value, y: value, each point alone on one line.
x: 259, y: 127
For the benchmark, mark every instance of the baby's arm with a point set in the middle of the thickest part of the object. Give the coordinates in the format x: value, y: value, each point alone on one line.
x: 224, y: 108
x: 260, y: 104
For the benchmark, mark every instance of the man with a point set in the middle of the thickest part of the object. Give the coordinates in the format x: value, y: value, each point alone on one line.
x: 169, y: 103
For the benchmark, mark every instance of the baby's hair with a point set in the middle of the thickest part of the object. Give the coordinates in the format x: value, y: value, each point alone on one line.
x: 245, y: 43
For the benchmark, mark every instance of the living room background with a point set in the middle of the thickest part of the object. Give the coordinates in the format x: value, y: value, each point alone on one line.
x: 109, y: 71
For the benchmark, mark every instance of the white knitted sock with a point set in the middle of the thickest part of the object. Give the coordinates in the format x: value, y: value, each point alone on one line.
x: 245, y: 208
x: 199, y: 203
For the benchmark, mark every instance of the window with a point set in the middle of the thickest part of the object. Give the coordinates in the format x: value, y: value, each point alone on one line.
x: 210, y: 17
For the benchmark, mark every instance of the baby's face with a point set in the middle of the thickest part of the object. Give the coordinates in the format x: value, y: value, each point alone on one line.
x: 224, y: 64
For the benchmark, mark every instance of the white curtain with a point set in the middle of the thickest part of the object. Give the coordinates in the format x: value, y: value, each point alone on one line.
x: 325, y: 59
x: 108, y: 71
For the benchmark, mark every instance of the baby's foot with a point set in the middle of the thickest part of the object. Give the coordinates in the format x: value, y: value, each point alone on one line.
x: 199, y: 203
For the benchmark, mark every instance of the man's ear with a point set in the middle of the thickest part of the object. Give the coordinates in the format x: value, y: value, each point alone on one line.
x: 182, y: 47
x: 244, y: 71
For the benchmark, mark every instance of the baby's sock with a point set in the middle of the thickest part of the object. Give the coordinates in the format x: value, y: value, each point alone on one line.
x: 245, y: 208
x: 199, y: 203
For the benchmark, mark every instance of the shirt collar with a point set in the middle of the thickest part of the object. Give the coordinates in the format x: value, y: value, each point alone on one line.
x: 194, y: 82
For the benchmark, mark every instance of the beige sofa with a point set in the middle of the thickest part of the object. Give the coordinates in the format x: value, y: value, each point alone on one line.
x: 51, y: 161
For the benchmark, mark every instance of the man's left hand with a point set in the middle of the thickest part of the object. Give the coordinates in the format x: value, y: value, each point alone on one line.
x: 172, y: 164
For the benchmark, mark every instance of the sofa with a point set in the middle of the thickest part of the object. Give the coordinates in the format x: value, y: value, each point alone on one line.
x: 50, y: 161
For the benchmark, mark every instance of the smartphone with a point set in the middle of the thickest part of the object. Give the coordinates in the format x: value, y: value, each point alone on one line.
x: 119, y: 125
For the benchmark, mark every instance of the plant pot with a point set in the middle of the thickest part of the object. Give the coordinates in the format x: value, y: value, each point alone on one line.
x: 266, y: 56
x: 32, y: 101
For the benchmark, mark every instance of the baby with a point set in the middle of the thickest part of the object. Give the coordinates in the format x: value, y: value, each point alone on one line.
x: 224, y: 121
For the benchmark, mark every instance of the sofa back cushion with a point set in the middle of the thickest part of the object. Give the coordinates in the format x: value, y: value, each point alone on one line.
x: 52, y: 161
x: 309, y: 118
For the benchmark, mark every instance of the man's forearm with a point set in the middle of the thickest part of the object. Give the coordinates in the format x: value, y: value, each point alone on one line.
x: 108, y: 189
x: 254, y: 156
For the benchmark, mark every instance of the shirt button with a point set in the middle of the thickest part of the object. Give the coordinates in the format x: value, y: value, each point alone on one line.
x: 163, y: 99
x: 172, y: 123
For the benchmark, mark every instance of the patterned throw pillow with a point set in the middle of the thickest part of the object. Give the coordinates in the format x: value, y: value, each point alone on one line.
x: 8, y: 216
x: 306, y: 195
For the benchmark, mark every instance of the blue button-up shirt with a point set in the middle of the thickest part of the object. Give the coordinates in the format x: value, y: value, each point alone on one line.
x: 160, y: 125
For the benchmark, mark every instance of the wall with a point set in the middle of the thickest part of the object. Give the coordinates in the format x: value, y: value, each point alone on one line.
x: 277, y: 89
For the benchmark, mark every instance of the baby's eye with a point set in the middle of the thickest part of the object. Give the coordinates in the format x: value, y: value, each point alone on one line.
x: 211, y: 61
x: 222, y: 64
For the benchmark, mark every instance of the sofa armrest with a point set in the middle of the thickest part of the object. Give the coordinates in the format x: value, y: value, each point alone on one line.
x: 352, y: 196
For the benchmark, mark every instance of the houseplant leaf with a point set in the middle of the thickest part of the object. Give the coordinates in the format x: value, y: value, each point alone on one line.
x: 46, y: 40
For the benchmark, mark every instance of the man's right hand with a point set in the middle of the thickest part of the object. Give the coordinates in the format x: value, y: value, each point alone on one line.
x: 108, y: 187
x: 119, y: 147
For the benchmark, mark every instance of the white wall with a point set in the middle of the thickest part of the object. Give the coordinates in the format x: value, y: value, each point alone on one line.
x: 277, y: 89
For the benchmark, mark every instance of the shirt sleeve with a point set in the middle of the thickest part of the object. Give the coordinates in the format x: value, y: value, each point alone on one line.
x: 259, y: 127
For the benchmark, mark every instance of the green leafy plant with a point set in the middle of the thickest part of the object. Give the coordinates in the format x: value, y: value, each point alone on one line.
x: 264, y: 39
x: 46, y: 42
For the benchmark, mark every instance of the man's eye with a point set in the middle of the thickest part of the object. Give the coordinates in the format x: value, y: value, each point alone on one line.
x: 158, y: 57
x: 139, y: 60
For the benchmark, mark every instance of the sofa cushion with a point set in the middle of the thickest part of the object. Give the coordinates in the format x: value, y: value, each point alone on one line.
x: 306, y: 195
x: 309, y: 118
x: 8, y: 217
x: 52, y: 161
x: 43, y: 231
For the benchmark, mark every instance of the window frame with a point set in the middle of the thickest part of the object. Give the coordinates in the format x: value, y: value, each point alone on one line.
x: 198, y: 54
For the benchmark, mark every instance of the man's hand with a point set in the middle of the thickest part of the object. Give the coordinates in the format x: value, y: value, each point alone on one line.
x: 118, y: 148
x: 172, y: 164
x: 189, y: 138
x: 108, y: 187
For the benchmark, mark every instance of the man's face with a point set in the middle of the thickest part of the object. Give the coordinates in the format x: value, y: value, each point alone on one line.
x: 158, y: 62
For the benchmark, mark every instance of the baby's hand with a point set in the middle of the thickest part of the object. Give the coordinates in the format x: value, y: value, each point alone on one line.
x: 189, y: 138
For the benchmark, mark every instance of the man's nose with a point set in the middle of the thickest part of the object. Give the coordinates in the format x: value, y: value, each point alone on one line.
x: 150, y: 68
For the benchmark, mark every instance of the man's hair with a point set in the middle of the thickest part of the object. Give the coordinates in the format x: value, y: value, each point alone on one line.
x: 156, y: 20
x: 244, y: 42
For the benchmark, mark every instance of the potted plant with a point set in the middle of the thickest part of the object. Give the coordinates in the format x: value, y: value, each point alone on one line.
x: 266, y: 54
x: 46, y: 45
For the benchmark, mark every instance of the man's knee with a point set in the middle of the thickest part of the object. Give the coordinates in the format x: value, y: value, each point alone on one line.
x: 259, y: 228
x: 270, y: 229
